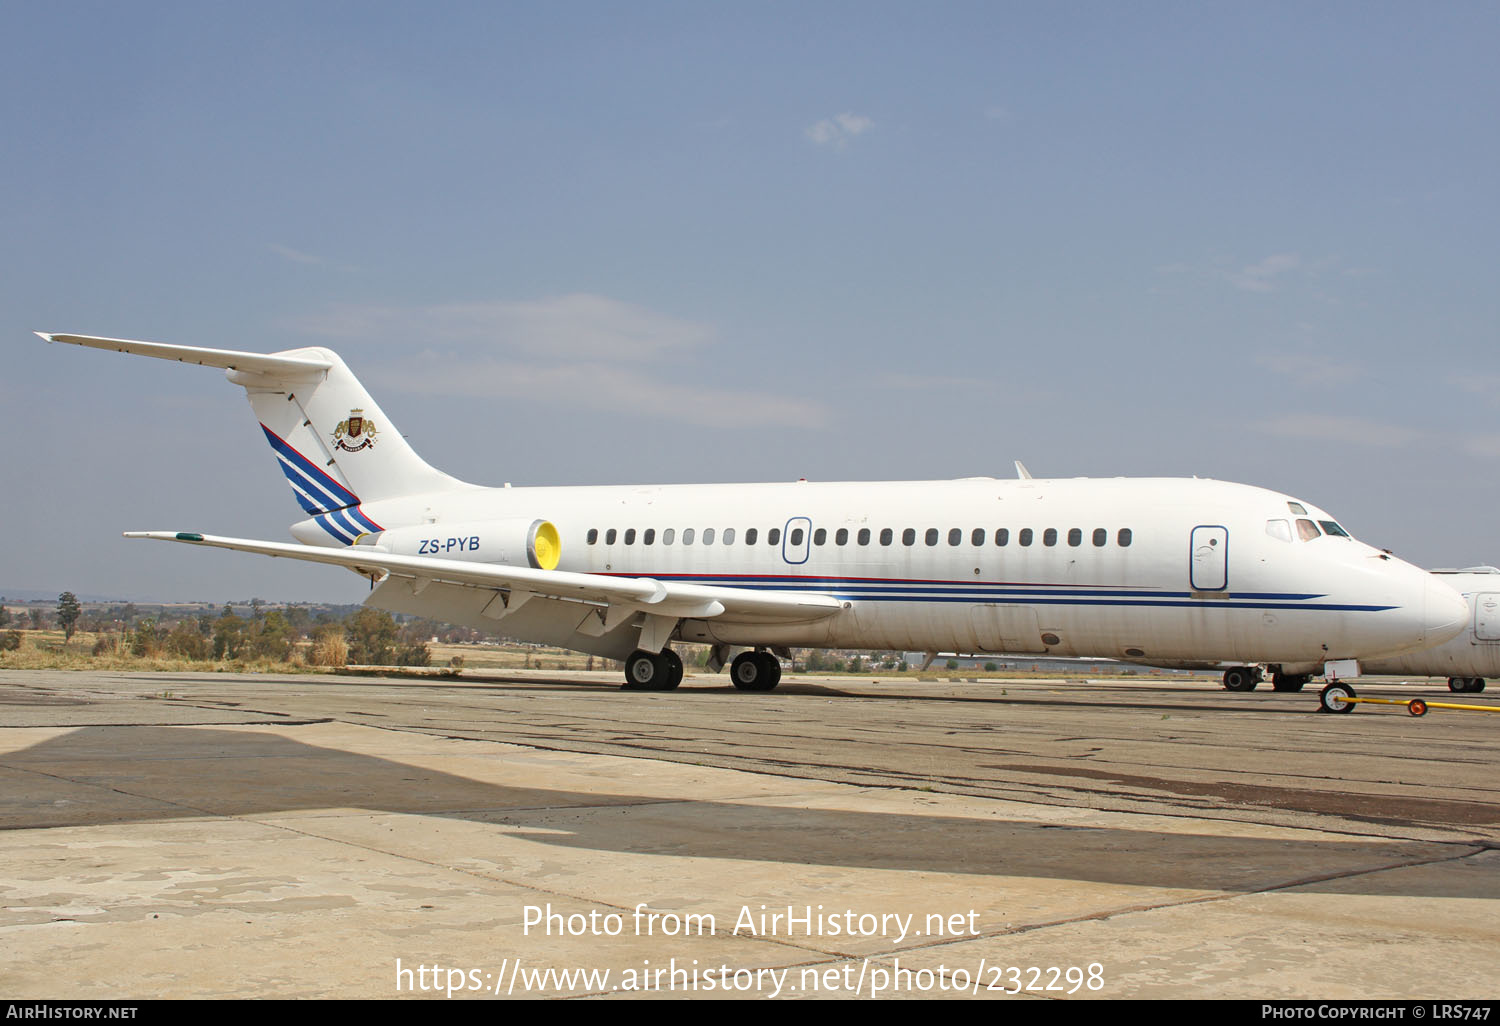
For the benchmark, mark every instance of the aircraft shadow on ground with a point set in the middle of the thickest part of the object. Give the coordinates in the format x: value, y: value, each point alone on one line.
x: 98, y: 775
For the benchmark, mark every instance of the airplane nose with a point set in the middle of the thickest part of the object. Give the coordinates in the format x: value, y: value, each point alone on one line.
x: 1446, y: 612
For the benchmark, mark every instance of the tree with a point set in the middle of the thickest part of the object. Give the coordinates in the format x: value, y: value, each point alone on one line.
x: 271, y: 637
x: 371, y: 636
x: 68, y: 611
x: 147, y: 640
x: 229, y: 635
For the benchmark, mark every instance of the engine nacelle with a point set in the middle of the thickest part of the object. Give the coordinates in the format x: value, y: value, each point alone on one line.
x: 515, y: 541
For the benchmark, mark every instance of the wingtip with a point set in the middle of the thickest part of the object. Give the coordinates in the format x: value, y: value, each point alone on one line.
x: 45, y: 336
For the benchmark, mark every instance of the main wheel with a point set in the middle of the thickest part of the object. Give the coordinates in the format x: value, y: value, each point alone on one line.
x: 674, y: 669
x: 1240, y: 678
x: 647, y: 671
x: 1335, y: 698
x: 770, y: 670
x: 755, y: 671
x: 1289, y: 682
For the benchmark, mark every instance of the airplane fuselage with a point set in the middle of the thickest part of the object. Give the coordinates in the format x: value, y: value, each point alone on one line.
x: 1139, y: 569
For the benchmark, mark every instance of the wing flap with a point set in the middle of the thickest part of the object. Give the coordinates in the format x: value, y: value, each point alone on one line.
x: 660, y: 598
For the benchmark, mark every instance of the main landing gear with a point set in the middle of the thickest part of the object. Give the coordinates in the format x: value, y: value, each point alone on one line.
x: 1245, y: 678
x: 1241, y: 678
x: 1290, y: 681
x: 1471, y: 685
x: 755, y: 671
x: 653, y: 671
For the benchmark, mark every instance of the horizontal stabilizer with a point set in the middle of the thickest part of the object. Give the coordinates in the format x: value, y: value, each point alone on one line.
x: 254, y: 363
x: 658, y: 597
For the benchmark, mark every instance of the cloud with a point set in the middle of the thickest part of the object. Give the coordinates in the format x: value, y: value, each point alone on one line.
x: 612, y: 389
x: 1321, y: 428
x: 914, y: 382
x: 297, y: 256
x: 1486, y: 386
x: 1263, y: 276
x: 577, y: 326
x: 838, y: 130
x: 1484, y: 446
x: 1310, y: 370
x: 571, y: 352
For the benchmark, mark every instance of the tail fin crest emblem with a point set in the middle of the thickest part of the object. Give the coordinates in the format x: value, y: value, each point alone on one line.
x: 347, y: 436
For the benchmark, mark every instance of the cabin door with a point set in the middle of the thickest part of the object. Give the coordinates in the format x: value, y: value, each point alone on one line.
x: 1487, y: 616
x: 1208, y: 569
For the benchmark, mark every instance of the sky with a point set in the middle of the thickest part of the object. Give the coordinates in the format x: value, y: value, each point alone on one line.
x: 593, y: 242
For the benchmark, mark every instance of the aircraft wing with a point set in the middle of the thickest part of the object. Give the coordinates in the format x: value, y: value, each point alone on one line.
x: 658, y: 598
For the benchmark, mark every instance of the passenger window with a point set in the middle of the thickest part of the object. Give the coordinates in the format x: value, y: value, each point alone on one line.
x: 1333, y: 530
x: 842, y: 537
x: 864, y: 536
x: 955, y: 536
x: 630, y: 536
x: 668, y: 535
x: 1125, y: 537
x: 773, y: 536
x: 931, y: 536
x: 795, y: 538
x: 750, y: 534
x: 609, y: 536
x: 687, y: 536
x: 728, y: 536
x: 887, y: 536
x: 1002, y: 536
x: 909, y: 536
x: 593, y: 535
x: 1025, y: 536
x: 1279, y: 529
x: 649, y: 537
x: 976, y: 538
x: 1075, y: 537
x: 820, y: 536
x: 1049, y: 536
x: 708, y: 536
x: 1101, y: 537
x: 1307, y: 530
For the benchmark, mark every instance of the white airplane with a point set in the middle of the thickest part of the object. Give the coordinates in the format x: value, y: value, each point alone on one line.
x: 1472, y: 656
x: 1147, y: 570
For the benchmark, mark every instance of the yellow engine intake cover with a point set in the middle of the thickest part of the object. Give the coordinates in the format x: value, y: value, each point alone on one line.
x: 546, y: 546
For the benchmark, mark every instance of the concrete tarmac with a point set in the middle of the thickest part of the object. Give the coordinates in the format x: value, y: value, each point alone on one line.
x: 546, y: 834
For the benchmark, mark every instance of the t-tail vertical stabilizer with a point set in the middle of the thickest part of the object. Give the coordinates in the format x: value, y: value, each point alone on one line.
x: 333, y: 443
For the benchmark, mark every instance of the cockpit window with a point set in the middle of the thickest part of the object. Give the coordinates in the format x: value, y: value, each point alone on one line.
x: 1333, y: 530
x: 1297, y: 507
x: 1279, y: 529
x: 1307, y: 530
